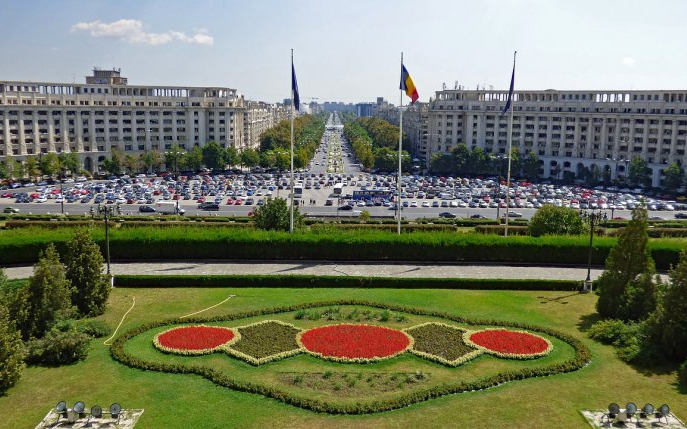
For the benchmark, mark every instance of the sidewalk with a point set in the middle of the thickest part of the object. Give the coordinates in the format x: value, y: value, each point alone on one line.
x: 340, y: 269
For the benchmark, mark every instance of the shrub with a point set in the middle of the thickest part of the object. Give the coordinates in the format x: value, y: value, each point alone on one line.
x: 12, y: 350
x: 275, y: 215
x: 682, y: 374
x: 58, y: 348
x: 90, y: 327
x: 553, y: 220
x: 629, y: 338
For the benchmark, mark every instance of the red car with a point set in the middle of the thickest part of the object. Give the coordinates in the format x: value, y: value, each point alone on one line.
x: 238, y: 202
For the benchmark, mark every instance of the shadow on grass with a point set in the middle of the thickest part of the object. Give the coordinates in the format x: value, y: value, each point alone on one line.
x: 587, y: 320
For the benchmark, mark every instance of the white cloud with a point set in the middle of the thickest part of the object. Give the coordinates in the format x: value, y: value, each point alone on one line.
x: 628, y: 61
x: 131, y: 30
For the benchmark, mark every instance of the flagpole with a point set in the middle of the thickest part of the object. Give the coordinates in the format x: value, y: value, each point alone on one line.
x: 293, y: 112
x: 510, y: 138
x: 400, y: 139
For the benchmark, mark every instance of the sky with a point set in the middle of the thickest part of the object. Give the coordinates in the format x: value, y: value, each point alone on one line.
x: 350, y: 50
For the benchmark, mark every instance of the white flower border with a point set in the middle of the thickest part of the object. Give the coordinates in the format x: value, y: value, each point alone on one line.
x: 436, y: 358
x: 373, y: 359
x: 198, y: 352
x: 271, y: 358
x: 520, y: 356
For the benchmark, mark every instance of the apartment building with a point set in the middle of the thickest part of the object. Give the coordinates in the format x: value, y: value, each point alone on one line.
x: 106, y: 112
x: 570, y: 131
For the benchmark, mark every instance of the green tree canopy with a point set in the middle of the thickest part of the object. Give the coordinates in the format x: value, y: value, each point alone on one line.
x: 50, y: 164
x: 639, y: 173
x: 674, y: 176
x: 275, y: 215
x: 626, y: 287
x: 46, y: 298
x: 69, y: 161
x: 213, y: 155
x: 84, y: 266
x: 550, y: 220
x: 12, y: 352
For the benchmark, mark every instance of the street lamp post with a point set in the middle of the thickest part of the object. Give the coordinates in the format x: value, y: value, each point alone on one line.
x: 106, y: 212
x: 593, y: 217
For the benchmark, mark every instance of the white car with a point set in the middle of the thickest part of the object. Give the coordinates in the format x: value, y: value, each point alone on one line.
x: 413, y: 204
x: 425, y: 204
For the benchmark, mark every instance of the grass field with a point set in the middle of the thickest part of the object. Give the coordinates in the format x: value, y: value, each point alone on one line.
x: 189, y: 401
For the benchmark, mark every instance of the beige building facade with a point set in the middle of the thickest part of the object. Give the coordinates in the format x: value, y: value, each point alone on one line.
x: 568, y: 130
x: 106, y: 112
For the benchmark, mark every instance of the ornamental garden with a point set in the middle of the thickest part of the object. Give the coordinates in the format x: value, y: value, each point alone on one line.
x: 317, y: 356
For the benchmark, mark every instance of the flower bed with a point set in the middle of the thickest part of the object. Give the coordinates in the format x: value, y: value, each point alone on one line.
x: 509, y: 344
x: 194, y: 340
x: 441, y: 343
x: 265, y: 341
x: 354, y: 343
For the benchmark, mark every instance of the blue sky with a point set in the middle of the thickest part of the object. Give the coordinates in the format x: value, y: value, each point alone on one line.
x: 349, y: 50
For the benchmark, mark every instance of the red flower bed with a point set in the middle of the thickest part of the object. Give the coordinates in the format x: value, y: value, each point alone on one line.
x: 507, y: 342
x: 354, y: 342
x: 194, y: 338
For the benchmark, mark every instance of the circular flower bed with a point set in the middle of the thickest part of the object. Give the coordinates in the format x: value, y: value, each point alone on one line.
x: 194, y: 340
x: 509, y: 344
x: 354, y: 343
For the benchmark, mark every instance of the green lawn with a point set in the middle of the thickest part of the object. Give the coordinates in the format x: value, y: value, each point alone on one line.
x: 185, y: 401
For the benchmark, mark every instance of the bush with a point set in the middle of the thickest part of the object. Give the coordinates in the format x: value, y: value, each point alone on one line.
x: 682, y: 374
x: 91, y: 327
x: 629, y: 338
x: 58, y: 348
x: 552, y: 220
x: 12, y: 350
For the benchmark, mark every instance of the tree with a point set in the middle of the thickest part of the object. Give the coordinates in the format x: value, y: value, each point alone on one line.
x: 31, y: 166
x: 132, y: 164
x: 12, y: 352
x: 3, y: 171
x: 46, y: 298
x: 461, y: 158
x: 151, y: 161
x: 668, y: 324
x: 556, y: 220
x: 69, y: 161
x: 84, y: 265
x: 639, y: 172
x: 231, y: 156
x: 673, y: 178
x: 113, y: 164
x: 441, y: 164
x: 627, y: 285
x: 530, y: 166
x: 250, y: 157
x: 194, y: 159
x: 49, y: 164
x: 275, y: 215
x: 17, y: 170
x: 213, y: 155
x: 174, y: 156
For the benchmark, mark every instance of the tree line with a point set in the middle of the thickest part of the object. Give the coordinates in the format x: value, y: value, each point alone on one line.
x: 374, y: 142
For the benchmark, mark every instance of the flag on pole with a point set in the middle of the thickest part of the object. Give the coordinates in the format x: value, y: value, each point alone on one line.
x: 407, y: 85
x: 294, y: 89
x: 510, y: 91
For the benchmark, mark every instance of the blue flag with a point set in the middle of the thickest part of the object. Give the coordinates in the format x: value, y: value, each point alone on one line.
x: 510, y: 92
x: 294, y: 89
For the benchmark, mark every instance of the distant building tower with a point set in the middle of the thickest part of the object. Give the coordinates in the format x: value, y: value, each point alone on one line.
x: 364, y: 110
x: 106, y: 77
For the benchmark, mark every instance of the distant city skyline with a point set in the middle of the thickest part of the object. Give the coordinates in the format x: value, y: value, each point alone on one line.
x: 350, y: 52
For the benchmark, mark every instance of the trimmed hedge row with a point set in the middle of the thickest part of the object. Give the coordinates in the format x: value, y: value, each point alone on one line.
x: 150, y: 243
x: 312, y: 281
x: 581, y: 358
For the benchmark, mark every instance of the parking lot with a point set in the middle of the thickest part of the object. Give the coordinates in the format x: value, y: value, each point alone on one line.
x: 333, y: 184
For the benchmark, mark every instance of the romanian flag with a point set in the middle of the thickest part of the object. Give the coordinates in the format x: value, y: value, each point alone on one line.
x: 407, y: 85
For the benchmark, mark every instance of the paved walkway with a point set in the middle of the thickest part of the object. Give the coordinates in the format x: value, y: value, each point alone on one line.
x: 339, y: 269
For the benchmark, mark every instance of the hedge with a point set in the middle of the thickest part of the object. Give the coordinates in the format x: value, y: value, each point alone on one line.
x: 581, y: 358
x: 312, y: 281
x: 189, y: 243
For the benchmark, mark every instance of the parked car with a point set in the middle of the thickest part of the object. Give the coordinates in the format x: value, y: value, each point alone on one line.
x: 209, y: 206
